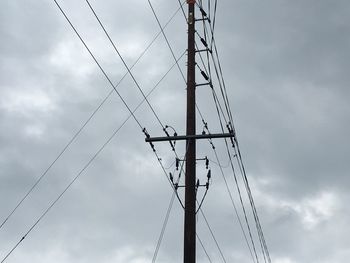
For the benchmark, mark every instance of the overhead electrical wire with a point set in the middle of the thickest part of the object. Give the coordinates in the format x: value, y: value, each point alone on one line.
x: 245, y: 179
x: 227, y: 109
x: 213, y: 236
x: 166, y: 219
x: 172, y: 52
x: 247, y: 223
x: 138, y: 86
x: 98, y: 64
x: 232, y: 202
x: 124, y: 63
x: 115, y: 48
x: 202, y: 245
x: 221, y: 81
x: 83, y: 126
x: 225, y: 97
x: 217, y: 68
x: 64, y: 191
x: 95, y: 155
x: 131, y: 113
x: 165, y: 37
x: 109, y: 138
x: 226, y: 101
x: 208, y: 73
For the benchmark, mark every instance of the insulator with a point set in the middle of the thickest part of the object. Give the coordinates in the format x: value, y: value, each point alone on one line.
x: 177, y: 163
x: 207, y: 185
x: 203, y: 12
x: 197, y: 183
x: 209, y: 175
x: 171, y: 177
x: 204, y: 42
x: 203, y: 132
x: 206, y: 162
x: 166, y: 132
x: 204, y: 75
x: 152, y: 146
x: 146, y: 133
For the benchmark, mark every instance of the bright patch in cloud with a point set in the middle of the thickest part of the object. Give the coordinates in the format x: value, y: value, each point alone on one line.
x: 283, y: 260
x: 128, y: 254
x: 35, y: 131
x: 316, y: 209
x: 25, y: 102
x: 70, y: 57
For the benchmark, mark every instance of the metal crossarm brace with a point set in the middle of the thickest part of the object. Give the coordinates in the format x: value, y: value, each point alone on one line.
x: 187, y: 137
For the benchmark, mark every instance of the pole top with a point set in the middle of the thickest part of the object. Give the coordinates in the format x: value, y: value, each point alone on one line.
x: 191, y: 1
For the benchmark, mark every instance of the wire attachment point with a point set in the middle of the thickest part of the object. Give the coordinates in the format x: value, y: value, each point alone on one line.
x: 148, y: 136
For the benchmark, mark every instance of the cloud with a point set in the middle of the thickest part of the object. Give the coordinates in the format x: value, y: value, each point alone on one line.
x: 285, y: 66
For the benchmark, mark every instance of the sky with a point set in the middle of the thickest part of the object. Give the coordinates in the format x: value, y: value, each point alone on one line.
x: 286, y: 69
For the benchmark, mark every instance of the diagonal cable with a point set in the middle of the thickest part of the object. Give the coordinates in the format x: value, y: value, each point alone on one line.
x: 122, y: 59
x: 84, y: 168
x: 83, y: 126
x: 165, y: 37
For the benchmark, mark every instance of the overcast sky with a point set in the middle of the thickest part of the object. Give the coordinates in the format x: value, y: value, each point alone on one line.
x: 286, y: 68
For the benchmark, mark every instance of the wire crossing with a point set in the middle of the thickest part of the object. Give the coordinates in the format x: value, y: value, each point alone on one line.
x: 209, y: 66
x: 132, y: 114
x: 84, y: 125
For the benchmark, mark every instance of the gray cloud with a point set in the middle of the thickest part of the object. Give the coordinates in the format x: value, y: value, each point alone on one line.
x: 285, y: 65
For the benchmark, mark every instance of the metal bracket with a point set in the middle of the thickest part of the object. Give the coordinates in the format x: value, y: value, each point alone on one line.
x: 204, y: 50
x: 190, y: 137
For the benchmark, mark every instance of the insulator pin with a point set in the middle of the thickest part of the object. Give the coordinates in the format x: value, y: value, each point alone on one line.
x: 203, y: 12
x: 204, y: 42
x: 206, y: 162
x: 204, y: 75
x: 209, y: 175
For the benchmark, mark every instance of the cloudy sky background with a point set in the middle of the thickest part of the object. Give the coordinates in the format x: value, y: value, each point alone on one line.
x: 286, y: 68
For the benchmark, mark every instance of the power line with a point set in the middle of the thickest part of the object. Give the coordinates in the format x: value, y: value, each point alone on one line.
x: 246, y: 220
x: 228, y: 110
x: 217, y: 68
x: 218, y: 105
x: 104, y: 73
x: 231, y: 197
x: 168, y: 211
x: 83, y: 126
x: 197, y: 109
x: 122, y: 59
x: 64, y: 191
x: 235, y: 209
x: 86, y: 166
x: 247, y: 223
x: 97, y: 63
x: 213, y: 236
x: 165, y: 37
x: 204, y: 249
x: 226, y: 101
x: 256, y: 217
x: 166, y: 219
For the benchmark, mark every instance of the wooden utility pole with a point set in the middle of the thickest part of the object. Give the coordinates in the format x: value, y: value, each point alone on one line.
x: 190, y: 181
x: 190, y: 137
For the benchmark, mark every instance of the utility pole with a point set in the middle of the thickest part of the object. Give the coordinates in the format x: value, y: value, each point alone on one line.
x: 190, y: 179
x: 191, y: 137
